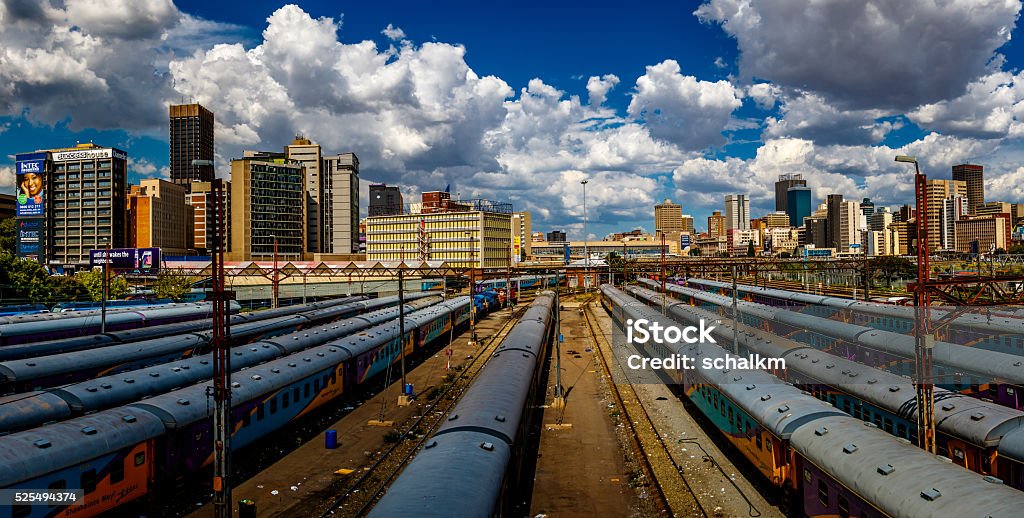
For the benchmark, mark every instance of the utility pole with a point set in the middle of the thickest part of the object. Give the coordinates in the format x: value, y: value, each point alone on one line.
x: 273, y: 303
x: 664, y: 291
x: 221, y: 345
x: 586, y: 248
x: 559, y: 401
x: 403, y: 399
x: 106, y: 287
x: 735, y: 316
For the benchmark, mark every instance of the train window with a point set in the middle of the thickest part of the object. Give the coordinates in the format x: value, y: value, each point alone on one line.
x: 295, y: 394
x: 87, y: 481
x: 305, y: 391
x: 246, y: 419
x: 986, y: 464
x: 273, y: 405
x: 757, y: 440
x: 285, y: 399
x: 823, y: 492
x: 140, y: 458
x: 260, y: 412
x: 844, y: 507
x: 807, y: 476
x: 888, y: 425
x: 846, y: 406
x: 768, y: 444
x: 316, y: 385
x: 958, y: 454
x: 858, y: 411
x: 901, y: 430
x: 117, y: 471
x: 878, y: 420
x: 21, y: 510
x: 730, y: 415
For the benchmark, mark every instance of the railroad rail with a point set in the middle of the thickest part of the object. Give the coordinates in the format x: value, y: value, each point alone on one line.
x: 359, y: 496
x: 659, y: 466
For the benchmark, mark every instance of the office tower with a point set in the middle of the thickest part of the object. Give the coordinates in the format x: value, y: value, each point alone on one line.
x: 905, y: 214
x: 834, y: 215
x: 668, y: 217
x: 191, y: 138
x: 816, y: 232
x: 776, y: 220
x: 384, y: 200
x: 938, y: 191
x: 87, y: 206
x: 737, y: 212
x: 267, y: 203
x: 339, y: 204
x: 881, y: 219
x: 973, y: 176
x: 688, y: 223
x: 782, y: 187
x: 867, y: 207
x: 990, y: 232
x: 483, y: 238
x: 309, y: 155
x: 160, y: 217
x: 954, y: 209
x: 798, y: 204
x: 716, y: 224
x: 522, y: 242
x: 849, y: 226
x: 556, y: 236
x: 201, y: 200
x: 993, y: 207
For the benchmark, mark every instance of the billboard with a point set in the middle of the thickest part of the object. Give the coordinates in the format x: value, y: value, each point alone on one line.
x: 143, y: 260
x: 31, y: 181
x: 89, y: 154
x: 517, y: 250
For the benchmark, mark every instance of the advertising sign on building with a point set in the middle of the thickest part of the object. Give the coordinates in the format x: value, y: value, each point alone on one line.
x: 517, y: 250
x: 89, y: 154
x: 143, y: 260
x: 31, y: 180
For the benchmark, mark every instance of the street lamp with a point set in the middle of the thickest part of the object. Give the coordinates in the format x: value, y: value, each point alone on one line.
x: 924, y: 341
x: 586, y: 249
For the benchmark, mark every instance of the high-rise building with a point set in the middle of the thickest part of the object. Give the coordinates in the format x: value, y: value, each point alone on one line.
x: 905, y: 214
x: 384, y: 200
x: 782, y: 187
x: 668, y: 217
x: 737, y: 212
x: 484, y: 238
x: 191, y: 138
x: 522, y: 243
x: 688, y: 224
x: 849, y: 226
x: 938, y: 191
x: 973, y: 176
x: 159, y: 217
x: 867, y: 207
x: 716, y: 224
x: 86, y: 211
x: 816, y: 232
x: 993, y: 207
x: 556, y: 236
x: 776, y: 220
x: 201, y: 200
x: 339, y: 204
x: 267, y: 205
x: 834, y: 215
x: 798, y: 204
x: 880, y: 219
x: 954, y: 209
x: 309, y: 154
x: 988, y: 232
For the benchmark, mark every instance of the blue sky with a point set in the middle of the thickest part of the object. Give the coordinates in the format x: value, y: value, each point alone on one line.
x: 686, y: 100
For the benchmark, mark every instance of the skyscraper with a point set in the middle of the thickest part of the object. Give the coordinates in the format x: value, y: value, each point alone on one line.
x: 384, y: 200
x: 267, y: 195
x: 339, y: 204
x: 737, y: 212
x: 834, y: 216
x: 953, y: 209
x: 938, y: 191
x: 716, y: 224
x: 973, y: 176
x: 668, y: 217
x: 191, y: 138
x: 309, y: 154
x: 798, y: 204
x: 785, y: 183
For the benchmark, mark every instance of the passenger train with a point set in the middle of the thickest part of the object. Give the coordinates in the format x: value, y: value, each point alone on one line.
x: 969, y: 431
x: 825, y: 462
x: 472, y: 462
x: 125, y: 453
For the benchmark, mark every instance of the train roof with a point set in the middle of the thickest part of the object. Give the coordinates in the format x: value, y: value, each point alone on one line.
x: 28, y: 409
x: 897, y: 477
x: 36, y: 452
x: 455, y: 474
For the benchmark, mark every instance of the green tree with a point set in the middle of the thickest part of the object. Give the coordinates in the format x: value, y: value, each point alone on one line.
x: 8, y: 235
x: 695, y: 252
x: 92, y: 280
x: 1016, y: 249
x: 891, y: 267
x: 172, y: 286
x: 785, y: 255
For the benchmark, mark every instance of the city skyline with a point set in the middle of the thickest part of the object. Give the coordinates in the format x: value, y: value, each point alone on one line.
x: 700, y: 103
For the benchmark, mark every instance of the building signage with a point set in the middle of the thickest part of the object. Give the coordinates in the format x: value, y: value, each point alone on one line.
x: 31, y: 180
x: 517, y: 250
x: 89, y: 154
x: 143, y: 260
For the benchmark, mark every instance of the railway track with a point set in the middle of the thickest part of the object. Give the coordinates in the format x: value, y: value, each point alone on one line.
x: 668, y: 480
x: 359, y: 495
x: 831, y: 291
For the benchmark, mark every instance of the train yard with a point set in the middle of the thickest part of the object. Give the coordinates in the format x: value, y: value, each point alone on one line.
x: 472, y: 406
